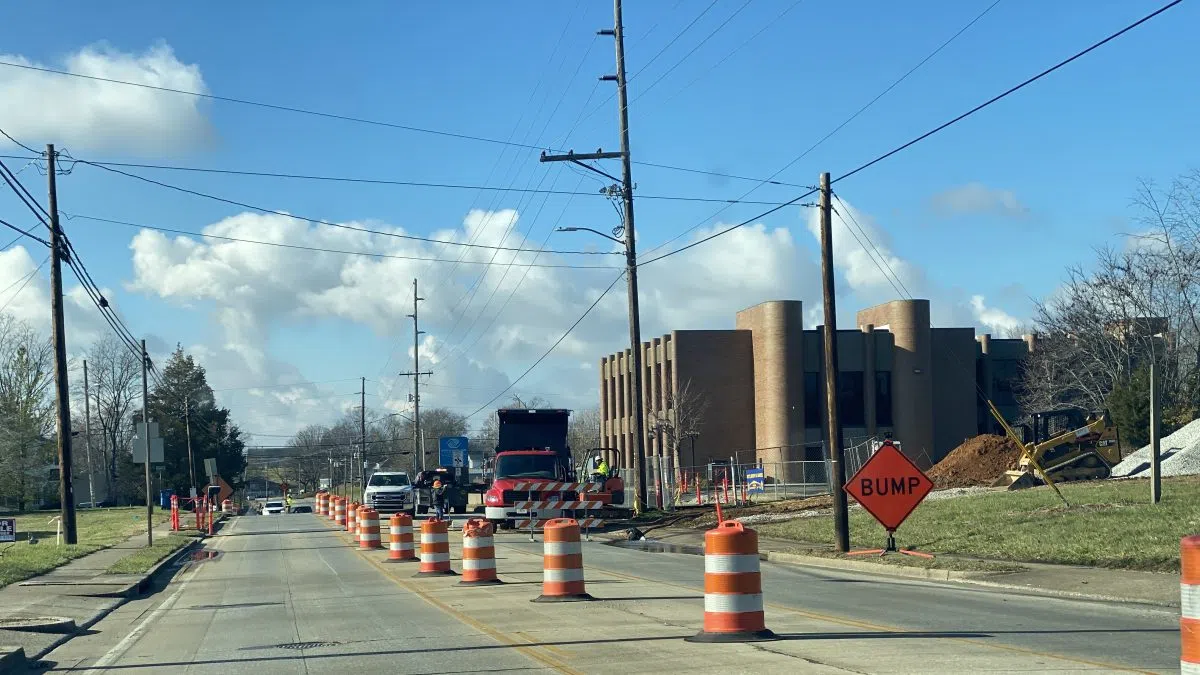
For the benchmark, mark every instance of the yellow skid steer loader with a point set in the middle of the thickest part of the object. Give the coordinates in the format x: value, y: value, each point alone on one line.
x: 1067, y: 445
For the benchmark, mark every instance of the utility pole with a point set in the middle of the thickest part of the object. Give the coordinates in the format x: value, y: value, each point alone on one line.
x: 362, y: 423
x: 146, y: 445
x: 625, y: 190
x: 833, y: 434
x: 187, y: 430
x: 87, y: 430
x: 1155, y: 457
x: 418, y: 442
x: 66, y: 490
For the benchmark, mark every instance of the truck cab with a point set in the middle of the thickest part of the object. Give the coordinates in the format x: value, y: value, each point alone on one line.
x: 389, y: 492
x: 532, y: 446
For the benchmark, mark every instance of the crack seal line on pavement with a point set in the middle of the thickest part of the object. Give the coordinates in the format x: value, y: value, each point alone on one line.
x: 854, y: 623
x: 525, y: 648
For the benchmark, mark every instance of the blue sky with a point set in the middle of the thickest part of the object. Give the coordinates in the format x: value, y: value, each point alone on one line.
x: 1027, y: 186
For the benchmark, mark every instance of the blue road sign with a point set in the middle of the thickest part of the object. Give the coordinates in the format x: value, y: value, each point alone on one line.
x: 755, y: 481
x: 452, y: 451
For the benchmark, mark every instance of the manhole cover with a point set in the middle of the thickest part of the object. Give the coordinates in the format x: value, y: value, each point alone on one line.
x: 306, y: 645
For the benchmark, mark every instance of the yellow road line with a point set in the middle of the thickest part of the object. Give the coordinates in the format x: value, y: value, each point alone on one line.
x: 854, y: 623
x: 524, y: 647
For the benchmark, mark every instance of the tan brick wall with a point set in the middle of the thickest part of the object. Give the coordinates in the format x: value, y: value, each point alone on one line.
x: 912, y: 378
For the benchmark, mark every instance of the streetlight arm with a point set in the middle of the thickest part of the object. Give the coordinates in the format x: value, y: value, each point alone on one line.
x: 588, y: 229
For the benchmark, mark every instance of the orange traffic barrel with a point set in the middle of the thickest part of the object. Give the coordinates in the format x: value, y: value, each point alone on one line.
x: 1189, y: 607
x: 733, y: 601
x: 435, y: 548
x: 322, y: 503
x: 400, y: 539
x: 368, y: 528
x: 339, y: 511
x: 352, y: 518
x: 478, y: 554
x: 317, y: 505
x: 562, y: 562
x: 227, y: 506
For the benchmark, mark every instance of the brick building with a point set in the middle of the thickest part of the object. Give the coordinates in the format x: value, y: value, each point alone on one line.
x: 763, y: 382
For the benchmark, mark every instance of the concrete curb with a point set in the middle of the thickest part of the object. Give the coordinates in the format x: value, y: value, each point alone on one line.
x: 100, y: 614
x: 877, y: 568
x: 1069, y: 595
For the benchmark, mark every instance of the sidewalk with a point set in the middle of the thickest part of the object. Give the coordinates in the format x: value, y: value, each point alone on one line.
x: 69, y: 598
x: 1094, y: 583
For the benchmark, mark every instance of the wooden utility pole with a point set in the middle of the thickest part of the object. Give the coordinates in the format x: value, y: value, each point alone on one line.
x: 146, y: 446
x: 1155, y: 457
x: 362, y: 424
x: 187, y: 432
x: 625, y: 190
x: 416, y: 373
x: 66, y: 489
x: 833, y: 431
x: 87, y: 430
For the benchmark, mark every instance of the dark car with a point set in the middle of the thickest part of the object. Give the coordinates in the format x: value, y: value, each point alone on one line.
x: 456, y: 495
x: 302, y: 508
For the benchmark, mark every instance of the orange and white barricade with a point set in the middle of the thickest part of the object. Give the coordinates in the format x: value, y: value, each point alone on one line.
x: 400, y: 539
x: 562, y: 563
x: 339, y: 511
x: 478, y: 554
x: 1189, y: 606
x: 368, y: 528
x: 733, y: 601
x: 435, y: 548
x: 537, y: 509
x: 227, y: 507
x: 319, y: 504
x: 352, y: 518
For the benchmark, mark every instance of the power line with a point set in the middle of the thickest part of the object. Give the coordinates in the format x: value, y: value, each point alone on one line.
x: 22, y: 194
x: 284, y: 385
x: 850, y: 213
x: 2, y: 131
x: 551, y: 349
x: 922, y: 137
x: 318, y: 221
x: 26, y: 233
x: 23, y: 282
x: 316, y: 249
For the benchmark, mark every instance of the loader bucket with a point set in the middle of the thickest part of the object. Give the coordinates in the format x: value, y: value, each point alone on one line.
x: 1016, y: 480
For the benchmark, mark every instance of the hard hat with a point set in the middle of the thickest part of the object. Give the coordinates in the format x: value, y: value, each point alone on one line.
x: 437, y: 483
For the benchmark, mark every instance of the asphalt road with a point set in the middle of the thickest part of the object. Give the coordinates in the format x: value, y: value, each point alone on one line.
x: 277, y: 583
x: 1132, y: 636
x: 285, y: 594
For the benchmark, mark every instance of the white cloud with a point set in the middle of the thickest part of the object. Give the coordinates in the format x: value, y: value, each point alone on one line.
x: 1001, y: 323
x: 862, y: 253
x: 25, y: 294
x: 82, y: 114
x: 974, y: 198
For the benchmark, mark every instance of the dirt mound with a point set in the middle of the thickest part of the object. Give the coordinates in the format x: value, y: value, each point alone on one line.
x: 978, y: 461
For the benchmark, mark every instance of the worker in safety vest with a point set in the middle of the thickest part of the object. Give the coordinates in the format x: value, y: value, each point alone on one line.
x: 439, y: 499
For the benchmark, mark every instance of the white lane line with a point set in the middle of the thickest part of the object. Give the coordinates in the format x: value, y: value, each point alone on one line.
x: 136, y: 634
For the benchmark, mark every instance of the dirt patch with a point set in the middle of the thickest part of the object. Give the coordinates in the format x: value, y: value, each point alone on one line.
x: 978, y: 461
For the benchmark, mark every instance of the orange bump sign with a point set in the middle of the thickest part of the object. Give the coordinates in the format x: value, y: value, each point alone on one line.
x: 889, y: 486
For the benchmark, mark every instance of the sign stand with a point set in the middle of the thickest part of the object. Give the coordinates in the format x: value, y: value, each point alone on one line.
x: 890, y: 547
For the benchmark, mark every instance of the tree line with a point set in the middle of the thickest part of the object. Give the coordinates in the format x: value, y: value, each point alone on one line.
x: 180, y: 401
x: 1135, y: 304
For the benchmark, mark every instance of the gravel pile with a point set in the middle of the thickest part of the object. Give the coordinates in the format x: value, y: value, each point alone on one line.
x: 1179, y: 454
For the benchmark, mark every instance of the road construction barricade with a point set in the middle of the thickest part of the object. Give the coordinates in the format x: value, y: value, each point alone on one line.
x: 352, y: 518
x: 1189, y: 606
x: 562, y: 563
x: 478, y: 554
x: 368, y: 528
x: 560, y: 506
x: 319, y: 504
x: 435, y: 548
x: 400, y: 540
x: 227, y: 507
x: 733, y: 601
x: 339, y: 511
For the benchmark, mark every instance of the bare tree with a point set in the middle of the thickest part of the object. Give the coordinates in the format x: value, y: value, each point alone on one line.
x: 583, y: 433
x: 116, y: 374
x: 26, y: 411
x: 682, y: 417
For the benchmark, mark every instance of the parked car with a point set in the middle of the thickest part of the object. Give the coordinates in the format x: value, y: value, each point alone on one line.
x: 302, y: 508
x: 272, y: 506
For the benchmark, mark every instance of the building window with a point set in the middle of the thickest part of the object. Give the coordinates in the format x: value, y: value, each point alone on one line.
x: 883, y: 398
x: 851, y: 408
x: 813, y: 393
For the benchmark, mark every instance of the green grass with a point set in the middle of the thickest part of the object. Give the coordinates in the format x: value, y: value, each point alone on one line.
x: 1109, y: 524
x: 142, y: 560
x: 97, y: 529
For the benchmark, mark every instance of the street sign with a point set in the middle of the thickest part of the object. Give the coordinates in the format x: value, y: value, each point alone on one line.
x: 8, y: 529
x: 756, y: 481
x: 452, y: 450
x: 226, y: 491
x: 138, y: 450
x: 889, y: 486
x: 210, y: 466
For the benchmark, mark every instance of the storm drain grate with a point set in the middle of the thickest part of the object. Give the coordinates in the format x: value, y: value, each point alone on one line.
x: 306, y: 645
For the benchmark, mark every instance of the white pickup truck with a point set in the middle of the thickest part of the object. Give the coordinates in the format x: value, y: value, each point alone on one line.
x: 389, y: 492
